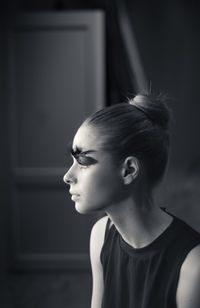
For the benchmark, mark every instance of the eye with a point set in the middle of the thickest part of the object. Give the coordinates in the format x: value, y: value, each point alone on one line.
x: 85, y: 161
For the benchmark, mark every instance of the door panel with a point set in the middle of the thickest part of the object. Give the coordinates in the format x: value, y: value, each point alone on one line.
x: 56, y: 78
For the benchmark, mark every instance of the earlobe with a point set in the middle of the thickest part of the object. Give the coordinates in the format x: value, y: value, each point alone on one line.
x: 130, y: 169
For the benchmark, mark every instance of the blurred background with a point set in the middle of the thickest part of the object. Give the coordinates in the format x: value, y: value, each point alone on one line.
x: 60, y: 61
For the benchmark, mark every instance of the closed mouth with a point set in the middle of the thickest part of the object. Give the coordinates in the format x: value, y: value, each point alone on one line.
x: 73, y: 194
x: 75, y: 197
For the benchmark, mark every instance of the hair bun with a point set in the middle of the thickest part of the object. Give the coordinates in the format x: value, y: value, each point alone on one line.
x: 154, y: 107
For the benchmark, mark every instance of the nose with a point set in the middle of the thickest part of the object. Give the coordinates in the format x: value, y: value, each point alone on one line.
x: 68, y: 177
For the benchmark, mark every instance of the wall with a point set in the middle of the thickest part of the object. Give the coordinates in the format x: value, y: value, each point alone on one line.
x: 167, y: 33
x: 4, y: 173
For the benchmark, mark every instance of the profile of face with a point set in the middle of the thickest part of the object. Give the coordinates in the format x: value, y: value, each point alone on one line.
x: 95, y: 181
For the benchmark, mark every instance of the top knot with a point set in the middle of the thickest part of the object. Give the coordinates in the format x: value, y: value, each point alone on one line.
x: 154, y: 108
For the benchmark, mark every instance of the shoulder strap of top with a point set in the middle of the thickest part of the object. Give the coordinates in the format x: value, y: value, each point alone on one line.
x: 107, y: 228
x: 106, y: 235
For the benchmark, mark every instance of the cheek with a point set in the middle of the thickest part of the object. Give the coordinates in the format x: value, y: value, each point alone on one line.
x: 99, y: 189
x: 104, y: 186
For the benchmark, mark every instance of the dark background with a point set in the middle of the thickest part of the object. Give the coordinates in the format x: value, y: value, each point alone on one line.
x: 167, y: 37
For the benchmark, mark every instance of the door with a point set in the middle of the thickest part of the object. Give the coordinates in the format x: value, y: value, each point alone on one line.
x: 55, y: 78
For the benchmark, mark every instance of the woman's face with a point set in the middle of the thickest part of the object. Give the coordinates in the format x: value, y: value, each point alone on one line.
x: 95, y: 181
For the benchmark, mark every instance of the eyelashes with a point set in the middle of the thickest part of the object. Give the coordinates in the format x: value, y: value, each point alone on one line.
x: 80, y: 156
x: 85, y: 161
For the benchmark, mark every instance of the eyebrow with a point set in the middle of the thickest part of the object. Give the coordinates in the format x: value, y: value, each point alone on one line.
x: 79, y: 151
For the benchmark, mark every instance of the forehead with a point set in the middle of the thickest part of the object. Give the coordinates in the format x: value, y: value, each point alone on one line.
x: 87, y: 138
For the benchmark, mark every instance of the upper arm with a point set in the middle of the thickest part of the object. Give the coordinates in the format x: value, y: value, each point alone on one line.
x: 188, y: 292
x: 96, y: 243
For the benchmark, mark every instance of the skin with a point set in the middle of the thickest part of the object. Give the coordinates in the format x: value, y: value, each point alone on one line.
x: 123, y: 193
x: 93, y: 176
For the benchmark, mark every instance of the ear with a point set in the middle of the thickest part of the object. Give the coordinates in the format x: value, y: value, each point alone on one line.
x: 130, y: 169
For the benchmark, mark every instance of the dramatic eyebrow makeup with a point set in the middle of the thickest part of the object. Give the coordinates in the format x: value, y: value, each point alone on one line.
x: 79, y: 151
x: 81, y: 157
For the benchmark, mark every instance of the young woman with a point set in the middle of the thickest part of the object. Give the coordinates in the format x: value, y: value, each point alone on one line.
x: 141, y: 256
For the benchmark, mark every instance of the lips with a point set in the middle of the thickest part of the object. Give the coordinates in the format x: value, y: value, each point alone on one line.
x: 75, y: 198
x: 73, y: 193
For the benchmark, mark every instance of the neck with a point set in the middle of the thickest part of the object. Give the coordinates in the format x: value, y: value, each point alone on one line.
x: 139, y: 223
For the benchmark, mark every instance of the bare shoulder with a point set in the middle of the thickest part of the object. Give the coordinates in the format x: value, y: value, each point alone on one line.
x: 96, y: 243
x: 100, y: 224
x: 98, y: 232
x: 191, y: 265
x: 188, y: 295
x: 192, y: 261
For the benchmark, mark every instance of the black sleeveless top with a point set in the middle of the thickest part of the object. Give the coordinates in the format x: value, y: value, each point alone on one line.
x: 145, y: 277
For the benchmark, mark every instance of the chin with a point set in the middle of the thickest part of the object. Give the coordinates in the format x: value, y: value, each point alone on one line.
x: 81, y: 209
